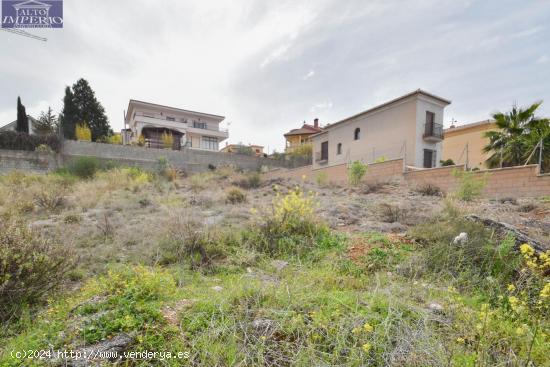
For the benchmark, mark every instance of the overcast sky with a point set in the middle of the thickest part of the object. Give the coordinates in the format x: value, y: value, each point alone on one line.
x: 269, y: 65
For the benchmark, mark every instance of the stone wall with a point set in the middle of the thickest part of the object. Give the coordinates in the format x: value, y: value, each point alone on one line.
x: 190, y: 160
x: 23, y: 160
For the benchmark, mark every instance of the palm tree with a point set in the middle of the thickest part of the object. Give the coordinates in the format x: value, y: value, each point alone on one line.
x: 519, y: 132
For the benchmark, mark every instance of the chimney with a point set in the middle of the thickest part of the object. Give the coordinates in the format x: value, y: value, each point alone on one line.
x: 316, y: 122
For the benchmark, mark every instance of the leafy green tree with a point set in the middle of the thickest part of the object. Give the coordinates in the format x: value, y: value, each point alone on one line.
x: 46, y: 123
x: 81, y: 104
x: 22, y: 124
x: 519, y: 131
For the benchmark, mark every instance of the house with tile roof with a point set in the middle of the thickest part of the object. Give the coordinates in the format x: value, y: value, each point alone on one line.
x: 301, y: 136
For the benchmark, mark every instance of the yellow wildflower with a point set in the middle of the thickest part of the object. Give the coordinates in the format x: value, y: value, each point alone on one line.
x: 366, y: 347
x: 460, y: 340
x: 356, y: 330
x: 368, y: 327
x: 526, y: 250
x: 545, y: 292
x: 511, y: 287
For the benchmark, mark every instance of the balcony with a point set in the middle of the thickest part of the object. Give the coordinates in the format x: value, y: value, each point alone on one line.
x: 433, y: 132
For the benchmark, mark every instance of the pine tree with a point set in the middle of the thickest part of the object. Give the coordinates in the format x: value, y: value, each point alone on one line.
x: 46, y: 123
x: 22, y: 118
x: 68, y: 117
x: 89, y: 109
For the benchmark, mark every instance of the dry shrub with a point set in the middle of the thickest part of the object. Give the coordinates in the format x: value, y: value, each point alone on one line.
x: 235, y: 196
x: 30, y: 267
x: 428, y: 189
x: 251, y: 180
x: 189, y: 240
x: 200, y: 181
x: 390, y: 213
x: 50, y: 197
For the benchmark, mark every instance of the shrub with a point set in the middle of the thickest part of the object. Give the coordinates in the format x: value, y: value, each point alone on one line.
x: 43, y: 148
x: 321, y: 178
x: 304, y: 151
x: 84, y: 167
x: 50, y: 197
x: 115, y: 139
x: 474, y: 262
x: 250, y: 181
x: 447, y: 162
x: 141, y: 140
x: 188, y: 240
x: 235, y: 196
x: 83, y: 132
x: 167, y: 140
x: 470, y: 185
x: 30, y: 267
x: 291, y: 228
x: 381, y: 159
x: 22, y: 141
x: 390, y: 213
x: 165, y: 169
x: 356, y: 171
x: 428, y: 189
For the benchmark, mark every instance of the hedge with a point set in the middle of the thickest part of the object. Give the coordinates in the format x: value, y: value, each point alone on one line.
x: 21, y: 141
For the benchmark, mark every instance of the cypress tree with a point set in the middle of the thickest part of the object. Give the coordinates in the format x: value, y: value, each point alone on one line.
x: 68, y: 117
x: 22, y: 118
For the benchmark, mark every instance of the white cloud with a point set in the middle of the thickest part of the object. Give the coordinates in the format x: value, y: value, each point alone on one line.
x: 247, y: 59
x: 309, y: 74
x: 321, y: 106
x: 543, y: 59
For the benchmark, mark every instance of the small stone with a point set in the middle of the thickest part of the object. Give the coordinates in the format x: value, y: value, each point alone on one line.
x: 461, y: 239
x: 435, y: 307
x: 217, y: 288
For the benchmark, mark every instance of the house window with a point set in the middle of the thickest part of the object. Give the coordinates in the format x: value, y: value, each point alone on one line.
x: 210, y: 143
x: 199, y: 125
x: 339, y: 148
x: 429, y: 158
x: 324, y: 151
x: 168, y: 118
x: 357, y: 134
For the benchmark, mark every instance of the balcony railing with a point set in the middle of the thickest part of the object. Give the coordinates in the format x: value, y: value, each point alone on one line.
x: 433, y: 131
x: 187, y: 123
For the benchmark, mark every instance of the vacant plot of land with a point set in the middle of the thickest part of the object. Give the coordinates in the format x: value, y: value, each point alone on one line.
x: 229, y: 269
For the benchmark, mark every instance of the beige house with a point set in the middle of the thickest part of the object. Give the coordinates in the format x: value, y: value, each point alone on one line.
x: 409, y: 127
x: 466, y: 142
x: 146, y: 123
x: 295, y: 138
x: 257, y: 150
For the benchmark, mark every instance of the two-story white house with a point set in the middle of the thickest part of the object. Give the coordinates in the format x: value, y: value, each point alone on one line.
x: 145, y: 123
x: 409, y: 127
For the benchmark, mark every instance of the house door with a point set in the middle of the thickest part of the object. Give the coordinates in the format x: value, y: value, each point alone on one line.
x: 324, y: 151
x: 429, y: 158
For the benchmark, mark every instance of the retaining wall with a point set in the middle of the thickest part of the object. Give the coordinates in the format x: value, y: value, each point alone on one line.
x: 523, y: 181
x: 391, y: 170
x: 190, y: 160
x: 22, y: 160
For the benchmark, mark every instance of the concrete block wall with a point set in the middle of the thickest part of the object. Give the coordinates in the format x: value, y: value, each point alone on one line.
x: 22, y: 160
x: 190, y: 160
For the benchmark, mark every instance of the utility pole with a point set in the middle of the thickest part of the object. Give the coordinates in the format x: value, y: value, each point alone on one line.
x: 467, y: 158
x: 540, y: 156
